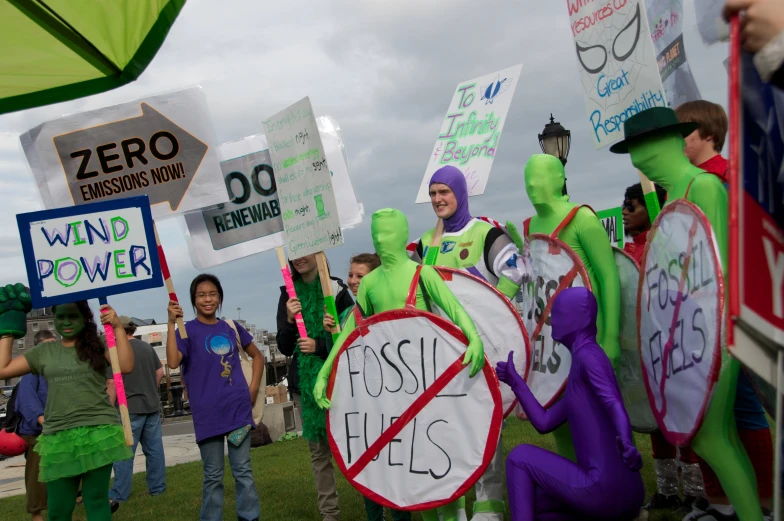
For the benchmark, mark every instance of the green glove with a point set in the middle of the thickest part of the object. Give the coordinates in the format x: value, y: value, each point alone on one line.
x: 475, y: 354
x: 514, y: 234
x: 320, y: 392
x: 15, y: 303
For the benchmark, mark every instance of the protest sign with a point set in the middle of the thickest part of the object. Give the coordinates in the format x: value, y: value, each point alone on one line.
x: 160, y: 146
x: 243, y: 226
x: 612, y: 220
x: 617, y: 64
x: 472, y: 129
x: 666, y: 24
x: 497, y: 322
x: 89, y: 251
x: 408, y: 427
x: 635, y: 396
x: 681, y: 311
x: 555, y: 267
x: 757, y: 242
x: 310, y: 216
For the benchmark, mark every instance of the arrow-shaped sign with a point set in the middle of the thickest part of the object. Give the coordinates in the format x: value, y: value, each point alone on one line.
x: 149, y: 154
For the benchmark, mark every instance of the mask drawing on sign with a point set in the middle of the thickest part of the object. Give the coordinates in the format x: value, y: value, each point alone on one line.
x: 617, y: 64
x: 681, y: 310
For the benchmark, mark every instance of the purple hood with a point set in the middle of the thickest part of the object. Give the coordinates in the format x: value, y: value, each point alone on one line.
x: 455, y: 180
x: 574, y: 318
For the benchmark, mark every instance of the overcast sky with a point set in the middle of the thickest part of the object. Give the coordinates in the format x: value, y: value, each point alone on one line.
x: 386, y: 71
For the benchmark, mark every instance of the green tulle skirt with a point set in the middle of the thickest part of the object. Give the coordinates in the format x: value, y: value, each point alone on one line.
x: 73, y: 452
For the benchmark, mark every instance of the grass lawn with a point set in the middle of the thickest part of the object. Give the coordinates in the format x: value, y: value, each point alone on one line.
x: 285, y: 485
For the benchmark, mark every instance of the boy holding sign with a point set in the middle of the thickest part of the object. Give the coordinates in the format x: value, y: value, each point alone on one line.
x: 82, y: 436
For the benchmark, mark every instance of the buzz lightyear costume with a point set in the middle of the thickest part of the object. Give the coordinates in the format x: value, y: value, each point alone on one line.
x: 386, y: 288
x: 484, y: 250
x: 473, y: 244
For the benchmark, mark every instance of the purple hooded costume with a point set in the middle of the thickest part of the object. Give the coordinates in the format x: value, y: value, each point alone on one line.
x: 455, y: 180
x: 605, y: 483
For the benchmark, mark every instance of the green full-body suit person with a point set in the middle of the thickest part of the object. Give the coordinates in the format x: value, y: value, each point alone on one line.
x: 585, y: 235
x: 386, y: 288
x: 655, y: 141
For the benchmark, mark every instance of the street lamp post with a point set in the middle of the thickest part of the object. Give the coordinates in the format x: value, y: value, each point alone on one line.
x: 556, y: 140
x: 239, y: 314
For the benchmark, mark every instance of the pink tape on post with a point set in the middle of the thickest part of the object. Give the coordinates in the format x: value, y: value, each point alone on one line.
x: 119, y: 387
x: 289, y: 282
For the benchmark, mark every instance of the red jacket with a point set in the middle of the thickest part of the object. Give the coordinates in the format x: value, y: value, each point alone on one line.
x: 718, y: 166
x: 637, y: 247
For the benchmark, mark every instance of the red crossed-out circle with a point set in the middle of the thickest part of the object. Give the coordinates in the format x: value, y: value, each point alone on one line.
x: 419, y: 403
x: 682, y: 206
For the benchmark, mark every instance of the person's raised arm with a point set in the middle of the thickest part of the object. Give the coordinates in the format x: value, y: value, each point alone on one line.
x: 594, y: 241
x: 173, y: 354
x: 124, y: 350
x: 320, y: 389
x: 15, y: 303
x: 595, y: 370
x: 543, y: 420
x: 445, y: 299
x: 502, y: 255
x: 287, y: 335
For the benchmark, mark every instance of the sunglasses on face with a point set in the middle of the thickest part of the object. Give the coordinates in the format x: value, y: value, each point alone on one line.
x: 628, y: 205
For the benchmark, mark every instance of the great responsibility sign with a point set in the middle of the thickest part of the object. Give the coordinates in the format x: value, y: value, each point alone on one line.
x: 161, y: 146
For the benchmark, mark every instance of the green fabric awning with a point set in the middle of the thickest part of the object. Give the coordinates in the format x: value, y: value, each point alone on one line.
x: 59, y: 50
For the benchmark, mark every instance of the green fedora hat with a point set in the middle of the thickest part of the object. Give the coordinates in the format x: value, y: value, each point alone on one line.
x: 650, y: 122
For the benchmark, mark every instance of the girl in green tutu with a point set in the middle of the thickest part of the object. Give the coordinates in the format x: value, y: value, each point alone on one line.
x: 82, y: 435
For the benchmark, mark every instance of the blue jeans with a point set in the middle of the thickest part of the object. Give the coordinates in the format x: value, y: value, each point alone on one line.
x: 146, y: 429
x: 248, y: 508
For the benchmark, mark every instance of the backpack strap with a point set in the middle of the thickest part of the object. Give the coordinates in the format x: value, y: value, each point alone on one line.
x: 568, y: 219
x: 424, y: 295
x: 412, y: 290
x: 241, y: 349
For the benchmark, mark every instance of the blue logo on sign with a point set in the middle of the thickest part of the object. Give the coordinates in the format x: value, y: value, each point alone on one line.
x: 447, y: 246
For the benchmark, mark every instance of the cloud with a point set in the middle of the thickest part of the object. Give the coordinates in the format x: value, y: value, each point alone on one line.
x: 386, y: 72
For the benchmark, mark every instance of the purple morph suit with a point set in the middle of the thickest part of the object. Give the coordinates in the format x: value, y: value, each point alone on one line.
x: 455, y: 180
x: 605, y: 483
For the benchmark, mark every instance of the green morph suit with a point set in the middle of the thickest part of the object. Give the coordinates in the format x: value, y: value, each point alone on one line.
x: 585, y: 235
x: 661, y: 159
x: 386, y: 288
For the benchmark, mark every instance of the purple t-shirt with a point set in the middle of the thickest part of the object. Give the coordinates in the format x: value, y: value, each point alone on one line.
x: 217, y: 390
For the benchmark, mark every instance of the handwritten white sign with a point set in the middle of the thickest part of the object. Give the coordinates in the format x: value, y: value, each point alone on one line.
x: 251, y: 236
x: 310, y: 214
x: 472, y: 129
x: 681, y: 310
x: 399, y: 393
x: 617, y: 64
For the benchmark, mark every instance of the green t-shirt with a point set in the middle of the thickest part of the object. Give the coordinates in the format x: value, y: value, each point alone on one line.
x: 77, y: 392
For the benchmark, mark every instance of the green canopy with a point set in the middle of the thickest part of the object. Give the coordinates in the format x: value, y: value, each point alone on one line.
x: 59, y: 50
